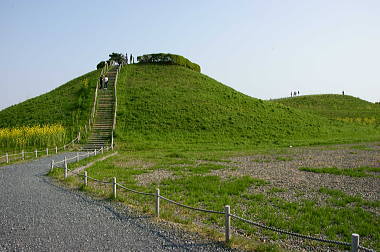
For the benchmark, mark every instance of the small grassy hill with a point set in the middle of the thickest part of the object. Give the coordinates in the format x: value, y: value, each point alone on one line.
x: 341, y: 107
x: 172, y: 105
x: 69, y: 105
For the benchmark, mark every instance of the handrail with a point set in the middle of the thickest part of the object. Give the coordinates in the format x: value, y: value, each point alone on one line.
x: 115, y: 104
x: 104, y: 69
x: 115, y: 107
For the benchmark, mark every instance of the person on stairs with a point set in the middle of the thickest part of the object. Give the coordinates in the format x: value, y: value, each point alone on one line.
x: 101, y: 82
x: 105, y: 82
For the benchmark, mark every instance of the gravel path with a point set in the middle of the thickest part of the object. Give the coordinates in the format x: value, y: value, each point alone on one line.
x: 37, y: 215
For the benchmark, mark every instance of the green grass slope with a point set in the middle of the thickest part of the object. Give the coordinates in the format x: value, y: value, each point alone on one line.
x: 171, y: 105
x: 336, y: 107
x: 69, y: 105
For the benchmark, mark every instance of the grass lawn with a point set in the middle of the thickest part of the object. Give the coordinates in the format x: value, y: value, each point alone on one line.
x: 187, y: 177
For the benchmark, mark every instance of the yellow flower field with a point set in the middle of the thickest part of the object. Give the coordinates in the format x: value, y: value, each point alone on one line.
x: 36, y: 136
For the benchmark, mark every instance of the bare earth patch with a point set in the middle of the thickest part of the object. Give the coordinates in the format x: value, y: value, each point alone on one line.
x: 291, y: 184
x: 286, y: 174
x: 134, y: 163
x: 155, y: 176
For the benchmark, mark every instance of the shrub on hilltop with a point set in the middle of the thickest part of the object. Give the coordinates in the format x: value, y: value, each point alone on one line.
x: 170, y: 59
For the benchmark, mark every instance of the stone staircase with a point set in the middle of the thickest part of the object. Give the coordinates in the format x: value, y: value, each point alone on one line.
x: 101, y: 132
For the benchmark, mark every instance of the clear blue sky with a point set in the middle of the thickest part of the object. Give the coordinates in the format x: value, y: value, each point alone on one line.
x: 264, y: 49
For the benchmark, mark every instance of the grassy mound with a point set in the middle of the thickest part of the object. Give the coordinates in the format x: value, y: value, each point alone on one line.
x: 69, y: 105
x: 171, y: 105
x: 341, y: 107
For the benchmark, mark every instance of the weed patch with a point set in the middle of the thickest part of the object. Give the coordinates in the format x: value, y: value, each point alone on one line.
x: 352, y: 172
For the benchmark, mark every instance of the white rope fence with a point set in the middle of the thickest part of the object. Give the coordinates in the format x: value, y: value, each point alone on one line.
x: 77, y: 158
x: 7, y: 158
x: 354, y: 244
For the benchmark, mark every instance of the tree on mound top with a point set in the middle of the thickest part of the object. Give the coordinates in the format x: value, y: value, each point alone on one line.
x: 117, y: 57
x: 170, y: 59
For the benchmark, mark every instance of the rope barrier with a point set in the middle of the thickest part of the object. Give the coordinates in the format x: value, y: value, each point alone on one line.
x: 190, y: 207
x: 100, y: 181
x: 72, y: 158
x: 131, y: 190
x: 289, y: 232
x: 11, y: 155
x: 366, y: 249
x: 38, y: 151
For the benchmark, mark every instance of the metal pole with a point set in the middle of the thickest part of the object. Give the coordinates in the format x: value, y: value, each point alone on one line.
x: 227, y: 211
x: 102, y: 150
x: 36, y: 153
x: 56, y: 149
x: 354, y: 242
x: 78, y: 136
x: 114, y: 187
x: 157, y: 202
x: 7, y: 157
x: 47, y: 151
x: 77, y: 156
x: 22, y: 154
x: 95, y: 152
x: 85, y: 178
x: 65, y: 162
x: 52, y: 165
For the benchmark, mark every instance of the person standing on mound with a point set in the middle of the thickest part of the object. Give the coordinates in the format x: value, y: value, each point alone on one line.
x: 105, y: 82
x: 101, y: 82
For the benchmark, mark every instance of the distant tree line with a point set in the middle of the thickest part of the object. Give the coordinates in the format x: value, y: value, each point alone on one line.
x: 170, y: 59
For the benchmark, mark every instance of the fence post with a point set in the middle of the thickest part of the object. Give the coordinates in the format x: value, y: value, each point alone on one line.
x: 56, y: 149
x: 102, y: 150
x: 95, y: 152
x: 354, y: 243
x: 157, y: 202
x: 77, y: 156
x: 114, y: 187
x: 22, y: 154
x: 85, y: 178
x: 65, y: 162
x: 52, y: 165
x: 36, y: 153
x: 112, y: 140
x: 227, y: 222
x: 47, y: 151
x: 7, y: 157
